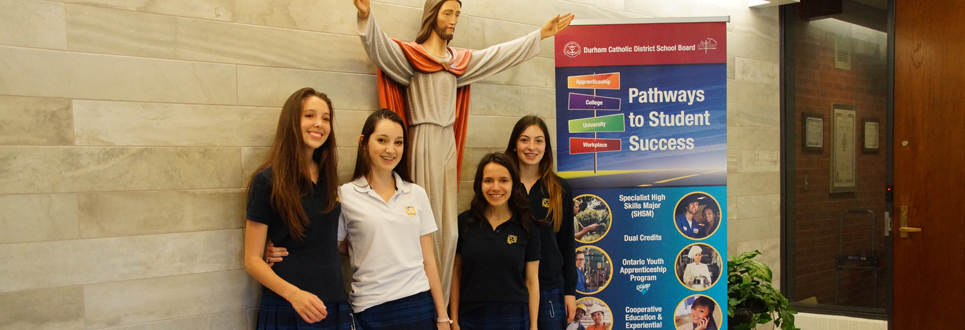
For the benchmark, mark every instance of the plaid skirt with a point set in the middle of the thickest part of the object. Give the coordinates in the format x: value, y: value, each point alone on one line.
x: 276, y: 313
x: 552, y: 310
x: 415, y: 312
x: 494, y: 316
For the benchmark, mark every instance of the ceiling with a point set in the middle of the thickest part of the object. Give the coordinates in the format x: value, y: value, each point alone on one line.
x: 882, y: 4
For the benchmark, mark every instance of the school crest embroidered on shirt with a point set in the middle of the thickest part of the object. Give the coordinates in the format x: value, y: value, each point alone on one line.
x: 546, y: 202
x: 511, y: 239
x: 410, y: 210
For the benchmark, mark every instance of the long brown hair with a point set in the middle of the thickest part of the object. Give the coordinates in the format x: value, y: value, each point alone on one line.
x: 362, y: 161
x: 286, y: 159
x: 551, y: 182
x: 518, y: 201
x: 430, y: 14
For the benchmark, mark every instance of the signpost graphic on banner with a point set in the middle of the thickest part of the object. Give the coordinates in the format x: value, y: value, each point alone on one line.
x: 642, y: 118
x: 595, y: 124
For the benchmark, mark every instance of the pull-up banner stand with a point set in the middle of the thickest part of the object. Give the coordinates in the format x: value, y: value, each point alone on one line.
x: 641, y: 108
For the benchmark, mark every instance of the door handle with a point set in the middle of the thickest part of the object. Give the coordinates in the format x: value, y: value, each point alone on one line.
x: 905, y: 230
x: 903, y: 223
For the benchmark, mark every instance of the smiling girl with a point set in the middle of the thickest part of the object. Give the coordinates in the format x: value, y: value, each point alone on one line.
x: 701, y: 315
x: 292, y: 200
x: 550, y: 198
x: 389, y: 225
x: 495, y: 283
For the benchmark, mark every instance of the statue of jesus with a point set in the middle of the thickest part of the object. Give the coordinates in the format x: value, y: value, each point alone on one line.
x: 427, y: 82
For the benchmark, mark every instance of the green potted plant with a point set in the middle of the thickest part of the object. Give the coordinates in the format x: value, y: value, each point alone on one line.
x: 751, y: 298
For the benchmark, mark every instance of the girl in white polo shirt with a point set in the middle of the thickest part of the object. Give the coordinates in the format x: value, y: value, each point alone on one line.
x: 388, y: 222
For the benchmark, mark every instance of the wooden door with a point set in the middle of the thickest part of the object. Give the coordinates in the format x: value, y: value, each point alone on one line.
x: 929, y: 172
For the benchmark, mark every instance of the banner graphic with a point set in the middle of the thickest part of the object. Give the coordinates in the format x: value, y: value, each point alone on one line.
x: 642, y: 138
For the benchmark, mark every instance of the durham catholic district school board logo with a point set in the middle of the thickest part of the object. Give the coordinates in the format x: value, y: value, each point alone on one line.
x: 511, y: 239
x: 410, y: 211
x: 571, y: 49
x: 707, y: 45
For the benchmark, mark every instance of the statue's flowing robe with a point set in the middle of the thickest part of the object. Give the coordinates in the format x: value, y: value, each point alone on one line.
x: 431, y: 115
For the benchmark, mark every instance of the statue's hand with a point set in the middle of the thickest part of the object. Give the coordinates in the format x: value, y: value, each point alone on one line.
x: 363, y: 6
x: 555, y: 25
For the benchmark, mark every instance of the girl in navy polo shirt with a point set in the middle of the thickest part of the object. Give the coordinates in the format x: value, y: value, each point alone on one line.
x: 550, y: 198
x: 292, y: 201
x: 495, y: 282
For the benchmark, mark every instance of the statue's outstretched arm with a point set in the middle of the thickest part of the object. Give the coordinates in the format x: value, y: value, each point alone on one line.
x: 383, y: 51
x: 498, y: 58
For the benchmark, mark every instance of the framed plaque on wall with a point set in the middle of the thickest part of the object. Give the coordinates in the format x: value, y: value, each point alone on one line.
x: 870, y: 129
x: 812, y: 132
x: 843, y: 143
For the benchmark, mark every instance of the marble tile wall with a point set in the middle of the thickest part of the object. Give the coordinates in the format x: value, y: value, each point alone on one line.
x: 35, y: 121
x: 33, y: 24
x: 129, y: 130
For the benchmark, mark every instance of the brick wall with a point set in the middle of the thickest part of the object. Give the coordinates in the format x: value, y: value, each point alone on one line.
x: 818, y: 85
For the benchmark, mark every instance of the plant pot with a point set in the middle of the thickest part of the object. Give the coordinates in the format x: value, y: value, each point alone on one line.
x: 741, y: 317
x: 744, y: 313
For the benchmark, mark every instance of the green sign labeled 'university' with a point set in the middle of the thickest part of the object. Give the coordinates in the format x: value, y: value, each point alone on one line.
x: 611, y: 123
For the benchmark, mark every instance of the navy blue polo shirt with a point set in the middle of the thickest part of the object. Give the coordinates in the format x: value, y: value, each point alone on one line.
x: 313, y: 264
x: 557, y: 265
x: 494, y: 261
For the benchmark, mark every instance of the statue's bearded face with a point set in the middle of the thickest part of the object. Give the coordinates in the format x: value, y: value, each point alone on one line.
x: 447, y: 19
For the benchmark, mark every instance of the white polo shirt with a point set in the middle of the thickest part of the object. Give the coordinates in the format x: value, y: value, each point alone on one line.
x: 385, y: 250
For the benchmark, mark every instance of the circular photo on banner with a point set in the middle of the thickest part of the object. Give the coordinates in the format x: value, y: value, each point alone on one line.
x: 698, y: 266
x: 697, y: 215
x: 592, y: 218
x: 594, y: 269
x: 591, y: 314
x: 697, y: 312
